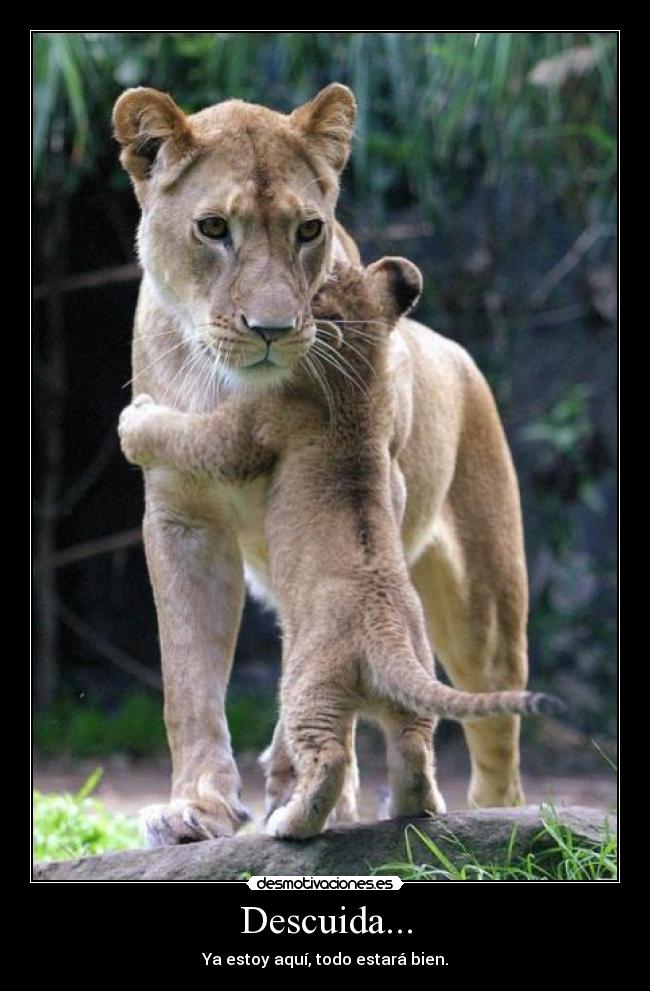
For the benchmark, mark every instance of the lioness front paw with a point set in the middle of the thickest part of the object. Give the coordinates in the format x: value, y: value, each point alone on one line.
x: 135, y: 429
x: 186, y: 822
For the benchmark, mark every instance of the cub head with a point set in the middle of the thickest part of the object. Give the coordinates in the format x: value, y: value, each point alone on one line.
x: 367, y: 302
x: 237, y: 219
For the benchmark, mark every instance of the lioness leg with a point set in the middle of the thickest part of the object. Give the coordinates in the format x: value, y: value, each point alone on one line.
x: 317, y: 721
x: 481, y: 644
x: 411, y: 769
x: 197, y: 578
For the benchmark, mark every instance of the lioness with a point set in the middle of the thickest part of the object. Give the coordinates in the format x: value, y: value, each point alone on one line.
x: 237, y: 234
x: 354, y: 638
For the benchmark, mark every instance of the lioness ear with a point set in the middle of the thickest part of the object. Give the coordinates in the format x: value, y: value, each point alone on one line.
x: 328, y: 122
x: 398, y: 282
x: 146, y: 121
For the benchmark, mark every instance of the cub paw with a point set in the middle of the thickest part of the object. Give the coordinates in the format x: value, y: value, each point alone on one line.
x: 287, y: 823
x: 280, y: 780
x: 134, y: 429
x: 186, y: 822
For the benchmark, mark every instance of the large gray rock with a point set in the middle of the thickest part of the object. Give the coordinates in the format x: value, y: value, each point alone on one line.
x: 483, y: 834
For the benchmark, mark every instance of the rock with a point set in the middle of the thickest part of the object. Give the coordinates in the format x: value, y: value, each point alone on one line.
x: 483, y: 834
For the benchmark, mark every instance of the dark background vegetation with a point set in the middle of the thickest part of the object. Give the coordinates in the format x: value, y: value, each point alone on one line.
x: 490, y: 161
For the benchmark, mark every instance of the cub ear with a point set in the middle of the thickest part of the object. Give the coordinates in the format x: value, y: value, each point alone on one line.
x: 146, y: 123
x: 398, y: 283
x: 328, y: 122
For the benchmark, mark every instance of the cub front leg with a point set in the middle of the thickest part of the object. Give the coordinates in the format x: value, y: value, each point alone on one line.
x: 197, y: 577
x: 222, y: 445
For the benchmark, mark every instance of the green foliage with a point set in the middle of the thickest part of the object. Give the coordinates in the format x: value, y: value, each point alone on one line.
x: 433, y: 106
x: 136, y: 727
x: 560, y: 857
x: 566, y: 424
x: 67, y: 826
x: 84, y: 730
x: 566, y: 440
x: 570, y: 622
x: 251, y: 720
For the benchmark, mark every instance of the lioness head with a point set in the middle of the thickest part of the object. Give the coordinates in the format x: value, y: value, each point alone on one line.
x: 237, y: 218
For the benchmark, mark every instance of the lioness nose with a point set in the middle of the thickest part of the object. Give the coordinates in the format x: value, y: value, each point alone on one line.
x: 270, y: 331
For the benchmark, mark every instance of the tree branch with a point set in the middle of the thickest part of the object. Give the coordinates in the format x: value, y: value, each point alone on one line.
x: 106, y: 649
x: 93, y: 548
x: 572, y: 258
x: 90, y: 280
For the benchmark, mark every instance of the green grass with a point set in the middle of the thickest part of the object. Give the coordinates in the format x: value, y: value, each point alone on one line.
x: 68, y: 826
x: 561, y: 857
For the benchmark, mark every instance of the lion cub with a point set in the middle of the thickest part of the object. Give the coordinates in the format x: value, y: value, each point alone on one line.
x: 353, y: 629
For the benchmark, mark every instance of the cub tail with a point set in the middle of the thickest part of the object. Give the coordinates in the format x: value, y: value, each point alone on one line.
x: 410, y: 685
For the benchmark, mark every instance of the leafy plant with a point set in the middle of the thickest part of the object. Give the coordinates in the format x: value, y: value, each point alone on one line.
x: 67, y: 826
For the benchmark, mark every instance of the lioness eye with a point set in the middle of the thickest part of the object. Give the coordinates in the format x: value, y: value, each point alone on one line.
x: 215, y: 228
x: 309, y: 230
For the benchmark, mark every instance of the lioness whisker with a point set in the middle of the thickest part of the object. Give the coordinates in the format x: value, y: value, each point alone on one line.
x: 191, y: 361
x: 163, y: 333
x: 351, y: 329
x: 207, y: 397
x: 346, y: 343
x: 337, y: 368
x: 219, y: 367
x: 210, y: 372
x: 200, y: 391
x: 316, y: 374
x: 360, y: 354
x: 337, y: 361
x: 141, y: 371
x: 353, y: 323
x: 334, y: 362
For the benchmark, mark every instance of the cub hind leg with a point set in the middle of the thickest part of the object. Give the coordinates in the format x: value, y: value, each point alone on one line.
x: 411, y: 767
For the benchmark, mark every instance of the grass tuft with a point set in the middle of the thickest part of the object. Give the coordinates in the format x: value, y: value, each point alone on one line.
x: 566, y: 859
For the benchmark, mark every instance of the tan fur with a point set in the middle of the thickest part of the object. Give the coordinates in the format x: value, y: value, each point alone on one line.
x: 450, y: 472
x: 353, y: 629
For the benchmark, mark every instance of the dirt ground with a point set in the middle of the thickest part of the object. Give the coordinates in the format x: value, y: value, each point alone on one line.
x: 127, y: 786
